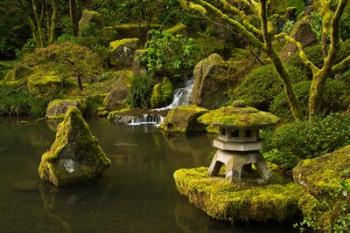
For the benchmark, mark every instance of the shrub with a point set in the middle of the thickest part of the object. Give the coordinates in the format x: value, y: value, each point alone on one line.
x: 306, y: 139
x: 16, y: 101
x: 170, y: 54
x: 259, y: 87
x: 162, y: 93
x: 336, y: 98
x: 140, y: 91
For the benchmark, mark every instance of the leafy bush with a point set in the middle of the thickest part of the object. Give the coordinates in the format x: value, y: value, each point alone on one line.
x: 259, y: 87
x: 336, y: 98
x: 345, y: 24
x: 16, y: 101
x: 140, y: 92
x: 169, y: 54
x: 162, y: 93
x: 302, y: 139
x: 316, y: 24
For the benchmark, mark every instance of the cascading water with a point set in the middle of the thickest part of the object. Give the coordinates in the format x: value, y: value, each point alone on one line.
x: 181, y: 97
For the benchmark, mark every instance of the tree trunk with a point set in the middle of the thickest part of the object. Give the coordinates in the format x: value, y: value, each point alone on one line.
x: 292, y: 99
x: 73, y: 17
x: 316, y: 94
x: 38, y: 21
x: 52, y: 32
x: 80, y: 84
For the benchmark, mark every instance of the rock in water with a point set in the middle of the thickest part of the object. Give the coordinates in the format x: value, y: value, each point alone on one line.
x: 75, y: 155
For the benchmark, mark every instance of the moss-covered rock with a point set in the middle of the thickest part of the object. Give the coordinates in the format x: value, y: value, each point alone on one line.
x: 162, y: 94
x: 213, y: 77
x: 326, y: 182
x: 90, y: 19
x: 183, y: 119
x: 122, y: 52
x: 44, y: 84
x: 117, y: 96
x: 75, y: 155
x: 133, y: 30
x: 58, y: 107
x: 228, y: 201
x: 241, y: 117
x: 301, y: 32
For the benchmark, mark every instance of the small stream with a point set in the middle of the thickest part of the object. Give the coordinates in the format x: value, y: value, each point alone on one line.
x: 136, y: 195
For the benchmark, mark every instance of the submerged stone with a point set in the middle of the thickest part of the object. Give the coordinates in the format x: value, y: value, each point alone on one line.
x: 75, y: 155
x: 183, y: 119
x: 232, y: 202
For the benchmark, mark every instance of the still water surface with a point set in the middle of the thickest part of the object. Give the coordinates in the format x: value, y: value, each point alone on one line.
x: 136, y: 195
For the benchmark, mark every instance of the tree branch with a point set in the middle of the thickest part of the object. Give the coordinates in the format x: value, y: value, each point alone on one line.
x: 341, y: 66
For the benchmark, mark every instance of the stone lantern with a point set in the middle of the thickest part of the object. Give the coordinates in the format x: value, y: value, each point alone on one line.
x: 238, y: 142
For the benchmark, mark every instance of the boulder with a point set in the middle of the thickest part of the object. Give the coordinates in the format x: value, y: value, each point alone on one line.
x: 75, y: 156
x: 40, y: 84
x: 183, y: 119
x: 326, y: 183
x: 162, y: 94
x: 122, y: 52
x: 90, y: 19
x: 301, y: 32
x: 213, y: 77
x: 58, y: 107
x: 232, y: 202
x: 117, y: 96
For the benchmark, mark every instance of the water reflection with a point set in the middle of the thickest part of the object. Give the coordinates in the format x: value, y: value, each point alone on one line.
x: 137, y: 194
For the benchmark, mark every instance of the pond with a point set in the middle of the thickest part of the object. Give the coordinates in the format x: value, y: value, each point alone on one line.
x: 137, y: 193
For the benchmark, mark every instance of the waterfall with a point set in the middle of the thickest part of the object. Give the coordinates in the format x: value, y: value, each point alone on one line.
x: 181, y: 97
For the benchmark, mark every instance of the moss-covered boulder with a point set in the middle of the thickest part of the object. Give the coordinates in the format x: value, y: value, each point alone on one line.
x: 122, y: 52
x: 162, y: 94
x: 58, y: 107
x: 301, y: 32
x: 116, y: 98
x: 133, y: 30
x: 223, y: 200
x: 75, y: 155
x: 326, y: 182
x: 44, y: 84
x: 90, y: 20
x: 183, y: 119
x: 213, y: 77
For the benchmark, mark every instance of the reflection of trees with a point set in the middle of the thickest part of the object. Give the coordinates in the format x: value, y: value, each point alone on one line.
x: 60, y: 204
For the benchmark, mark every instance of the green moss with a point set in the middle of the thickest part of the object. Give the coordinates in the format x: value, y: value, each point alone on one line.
x: 162, y: 93
x: 44, y: 84
x: 183, y: 119
x: 238, y: 117
x: 224, y: 200
x: 177, y: 29
x: 114, y: 45
x: 325, y: 204
x: 74, y: 142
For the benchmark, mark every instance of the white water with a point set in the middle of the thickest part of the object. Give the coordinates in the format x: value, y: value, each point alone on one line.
x: 181, y: 97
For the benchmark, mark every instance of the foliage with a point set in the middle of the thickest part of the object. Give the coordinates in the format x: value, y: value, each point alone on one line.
x: 302, y: 139
x: 337, y: 207
x: 259, y: 87
x: 16, y: 101
x: 345, y: 24
x: 162, y: 93
x: 288, y: 26
x: 299, y: 4
x: 140, y: 91
x: 167, y: 53
x: 316, y: 24
x: 67, y: 59
x: 336, y: 98
x: 28, y: 47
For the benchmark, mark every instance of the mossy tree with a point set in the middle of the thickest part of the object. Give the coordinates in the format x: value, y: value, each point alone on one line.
x: 251, y: 18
